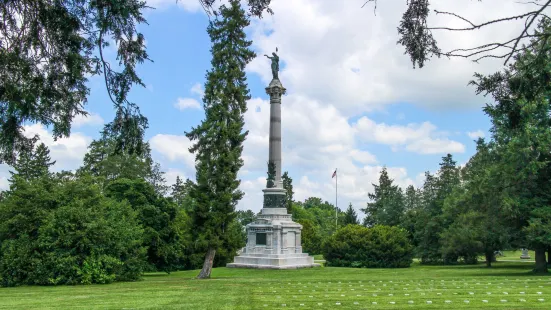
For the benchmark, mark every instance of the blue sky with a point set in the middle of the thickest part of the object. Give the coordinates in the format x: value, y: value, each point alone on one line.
x: 354, y: 101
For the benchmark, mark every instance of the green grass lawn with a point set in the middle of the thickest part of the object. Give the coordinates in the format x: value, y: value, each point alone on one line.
x: 505, y: 286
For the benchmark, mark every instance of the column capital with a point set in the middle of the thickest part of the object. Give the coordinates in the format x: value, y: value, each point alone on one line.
x: 275, y: 88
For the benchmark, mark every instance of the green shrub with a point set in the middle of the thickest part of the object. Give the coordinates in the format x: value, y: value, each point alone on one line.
x: 163, y: 236
x: 63, y: 231
x: 376, y: 247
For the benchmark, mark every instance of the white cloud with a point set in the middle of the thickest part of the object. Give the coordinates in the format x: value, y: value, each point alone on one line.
x: 67, y: 152
x: 171, y: 174
x: 187, y: 103
x: 419, y: 138
x: 190, y: 103
x: 4, y: 184
x: 343, y: 55
x: 174, y: 148
x: 435, y: 146
x: 92, y: 119
x: 313, y: 144
x: 476, y: 134
x: 338, y: 62
x: 188, y: 5
x: 197, y: 89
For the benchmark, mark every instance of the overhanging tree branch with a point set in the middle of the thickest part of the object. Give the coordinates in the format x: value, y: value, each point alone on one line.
x: 417, y: 38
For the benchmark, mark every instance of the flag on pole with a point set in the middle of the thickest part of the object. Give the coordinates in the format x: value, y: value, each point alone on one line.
x: 334, y: 174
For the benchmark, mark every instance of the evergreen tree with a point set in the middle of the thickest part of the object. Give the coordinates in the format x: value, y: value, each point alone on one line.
x: 178, y: 191
x: 448, y: 180
x: 387, y: 203
x: 33, y: 164
x: 102, y: 160
x: 288, y: 186
x: 520, y: 130
x: 412, y: 198
x: 50, y: 48
x: 431, y: 222
x: 412, y: 210
x: 219, y: 138
x: 477, y: 210
x: 350, y: 216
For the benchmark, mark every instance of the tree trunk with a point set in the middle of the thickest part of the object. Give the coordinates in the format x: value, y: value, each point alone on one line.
x: 541, y: 261
x: 489, y: 258
x: 549, y: 255
x: 207, y: 265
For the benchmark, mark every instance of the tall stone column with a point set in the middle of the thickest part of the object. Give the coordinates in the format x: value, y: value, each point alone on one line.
x: 274, y: 197
x: 275, y: 90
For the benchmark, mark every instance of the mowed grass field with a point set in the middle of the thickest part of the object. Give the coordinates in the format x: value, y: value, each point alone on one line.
x: 507, y: 285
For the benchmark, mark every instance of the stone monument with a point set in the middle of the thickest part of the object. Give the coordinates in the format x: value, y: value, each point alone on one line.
x: 273, y: 240
x: 524, y: 254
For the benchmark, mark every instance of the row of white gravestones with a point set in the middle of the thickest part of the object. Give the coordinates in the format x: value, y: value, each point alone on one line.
x: 409, y: 302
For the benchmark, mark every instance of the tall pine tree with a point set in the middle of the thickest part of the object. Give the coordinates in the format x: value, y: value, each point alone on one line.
x: 387, y: 203
x: 219, y: 138
x: 350, y: 216
x: 180, y: 193
x: 34, y: 163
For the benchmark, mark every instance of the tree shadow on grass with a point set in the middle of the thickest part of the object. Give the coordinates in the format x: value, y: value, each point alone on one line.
x: 504, y: 270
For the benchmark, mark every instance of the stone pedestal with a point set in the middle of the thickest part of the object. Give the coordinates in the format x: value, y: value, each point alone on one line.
x: 274, y: 240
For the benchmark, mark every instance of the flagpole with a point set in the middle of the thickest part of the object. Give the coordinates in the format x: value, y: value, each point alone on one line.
x: 336, y: 205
